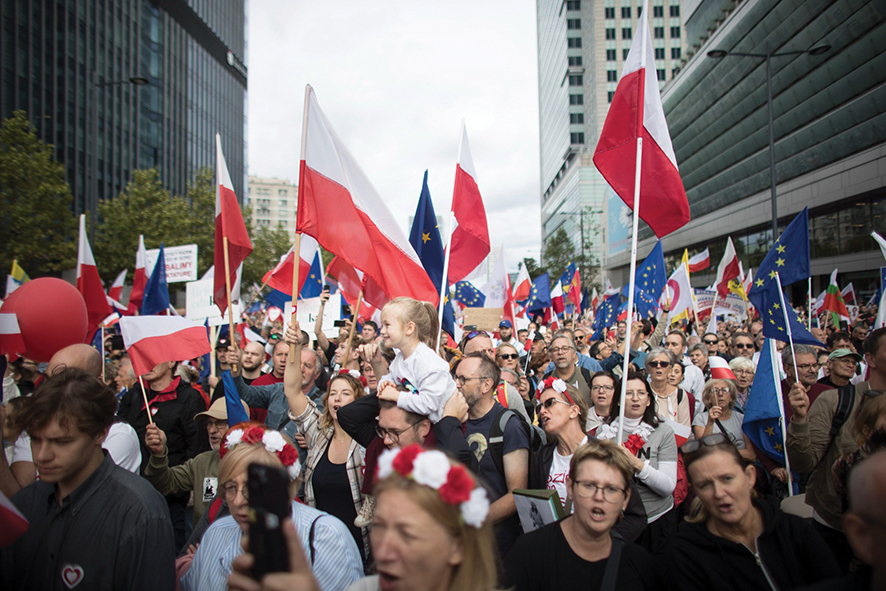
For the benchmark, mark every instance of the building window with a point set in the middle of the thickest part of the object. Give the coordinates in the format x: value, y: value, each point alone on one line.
x: 675, y: 32
x: 283, y: 223
x: 573, y: 24
x: 625, y: 12
x: 661, y: 75
x: 609, y: 95
x: 573, y: 42
x: 658, y: 32
x: 610, y: 55
x: 674, y: 72
x: 659, y: 53
x: 626, y: 33
x: 658, y: 11
x: 577, y: 138
x: 610, y: 12
x: 576, y: 117
x: 283, y: 203
x: 675, y: 10
x: 611, y: 76
x: 575, y: 80
x: 281, y: 192
x: 624, y: 54
x: 573, y: 5
x: 575, y: 60
x: 576, y: 99
x: 675, y: 53
x: 610, y: 33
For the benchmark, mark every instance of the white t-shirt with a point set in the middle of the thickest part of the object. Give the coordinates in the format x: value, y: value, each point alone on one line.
x: 559, y: 472
x: 428, y: 373
x: 121, y: 444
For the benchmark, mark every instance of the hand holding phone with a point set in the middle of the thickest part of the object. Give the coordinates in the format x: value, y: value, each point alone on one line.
x: 269, y: 506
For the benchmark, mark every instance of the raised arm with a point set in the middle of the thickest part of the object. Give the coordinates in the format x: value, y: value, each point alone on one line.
x: 292, y: 378
x: 318, y: 325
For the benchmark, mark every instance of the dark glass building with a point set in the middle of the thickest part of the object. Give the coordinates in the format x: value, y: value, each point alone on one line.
x: 119, y: 85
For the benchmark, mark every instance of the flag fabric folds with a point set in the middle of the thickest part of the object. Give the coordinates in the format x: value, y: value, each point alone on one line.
x: 228, y: 224
x: 155, y: 339
x: 773, y: 316
x: 649, y: 281
x: 233, y: 406
x: 833, y: 300
x: 720, y: 369
x: 727, y: 270
x: 700, y: 261
x: 89, y: 284
x: 680, y: 292
x: 468, y: 295
x: 139, y: 278
x: 11, y: 341
x: 789, y: 257
x: 313, y: 283
x: 469, y: 244
x: 12, y: 523
x: 156, y: 299
x: 16, y: 278
x: 365, y: 233
x: 636, y: 111
x: 539, y: 294
x: 280, y: 277
x: 571, y: 282
x: 116, y: 289
x: 606, y: 315
x: 522, y: 285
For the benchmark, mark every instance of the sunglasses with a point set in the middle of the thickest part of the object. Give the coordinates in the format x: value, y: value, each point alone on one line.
x: 658, y: 364
x: 743, y: 346
x: 710, y: 441
x: 474, y: 334
x: 509, y: 356
x: 710, y: 342
x: 550, y: 402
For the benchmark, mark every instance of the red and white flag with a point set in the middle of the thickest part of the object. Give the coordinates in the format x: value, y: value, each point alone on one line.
x: 11, y: 341
x: 557, y: 302
x: 116, y: 289
x: 528, y: 344
x: 720, y: 369
x: 247, y: 335
x: 728, y: 269
x: 228, y: 224
x: 280, y: 277
x: 150, y: 340
x: 636, y: 111
x: 338, y: 206
x: 470, y: 239
x: 89, y: 284
x: 349, y: 282
x: 12, y: 523
x: 522, y: 285
x: 595, y: 301
x: 700, y: 261
x: 140, y: 279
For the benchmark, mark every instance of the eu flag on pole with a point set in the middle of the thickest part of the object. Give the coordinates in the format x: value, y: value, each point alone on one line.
x: 606, y: 315
x: 468, y: 295
x: 539, y: 294
x: 571, y: 284
x: 773, y: 316
x: 236, y: 412
x: 156, y: 299
x: 789, y: 257
x: 650, y: 279
x: 313, y: 285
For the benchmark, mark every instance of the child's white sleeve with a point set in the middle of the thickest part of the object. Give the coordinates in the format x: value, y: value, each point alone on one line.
x: 434, y: 389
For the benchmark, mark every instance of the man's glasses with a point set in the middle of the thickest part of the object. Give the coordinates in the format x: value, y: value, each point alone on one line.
x: 559, y: 350
x: 218, y: 425
x: 658, y: 364
x: 808, y: 366
x: 461, y: 380
x: 587, y: 490
x: 579, y: 337
x: 474, y: 334
x: 710, y: 441
x: 393, y: 434
x: 709, y: 343
x: 550, y: 402
x: 743, y: 345
x: 508, y: 356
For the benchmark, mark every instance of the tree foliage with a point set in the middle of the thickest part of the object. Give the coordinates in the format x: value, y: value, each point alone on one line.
x: 267, y: 247
x: 36, y: 221
x: 559, y: 252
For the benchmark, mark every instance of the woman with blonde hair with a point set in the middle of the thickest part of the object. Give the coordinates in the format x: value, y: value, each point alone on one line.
x: 720, y: 417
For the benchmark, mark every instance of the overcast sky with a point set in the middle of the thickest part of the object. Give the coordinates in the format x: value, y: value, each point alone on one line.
x: 395, y: 79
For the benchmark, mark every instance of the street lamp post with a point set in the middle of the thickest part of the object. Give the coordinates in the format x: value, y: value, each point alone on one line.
x: 720, y: 54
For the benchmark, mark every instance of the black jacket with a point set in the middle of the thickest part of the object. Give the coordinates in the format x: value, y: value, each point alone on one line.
x: 359, y: 420
x: 634, y: 521
x: 790, y: 552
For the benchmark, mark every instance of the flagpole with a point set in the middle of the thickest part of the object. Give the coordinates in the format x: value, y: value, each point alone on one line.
x: 213, y: 336
x: 784, y: 430
x: 692, y: 296
x: 787, y: 324
x: 145, y: 396
x: 296, y: 263
x: 353, y: 330
x: 228, y: 290
x: 101, y: 328
x: 809, y: 303
x: 444, y: 280
x: 254, y: 297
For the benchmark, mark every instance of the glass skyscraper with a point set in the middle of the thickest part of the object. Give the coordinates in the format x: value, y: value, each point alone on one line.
x: 119, y: 85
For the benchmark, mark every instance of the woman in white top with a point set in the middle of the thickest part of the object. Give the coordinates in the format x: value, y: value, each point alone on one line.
x: 602, y: 392
x: 719, y: 398
x: 671, y: 402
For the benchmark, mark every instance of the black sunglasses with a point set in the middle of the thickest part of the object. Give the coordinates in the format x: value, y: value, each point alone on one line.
x: 507, y: 356
x: 711, y: 441
x: 710, y: 342
x: 658, y: 363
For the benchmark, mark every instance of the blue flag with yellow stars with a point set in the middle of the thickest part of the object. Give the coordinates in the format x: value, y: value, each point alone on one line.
x: 469, y: 295
x: 649, y: 281
x: 540, y: 294
x: 773, y: 316
x: 789, y: 257
x: 762, y: 415
x: 606, y: 314
x: 313, y: 286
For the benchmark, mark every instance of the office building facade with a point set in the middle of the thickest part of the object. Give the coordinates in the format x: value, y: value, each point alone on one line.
x: 120, y: 85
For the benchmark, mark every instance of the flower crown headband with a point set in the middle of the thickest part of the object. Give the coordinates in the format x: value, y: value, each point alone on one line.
x: 352, y: 373
x: 556, y: 384
x: 433, y: 469
x: 273, y: 442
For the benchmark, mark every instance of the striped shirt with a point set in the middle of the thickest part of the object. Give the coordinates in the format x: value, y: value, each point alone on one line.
x: 336, y: 559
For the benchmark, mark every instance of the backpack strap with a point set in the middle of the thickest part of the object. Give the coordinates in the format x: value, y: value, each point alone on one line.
x: 311, y: 538
x: 496, y: 442
x: 845, y: 398
x: 610, y: 575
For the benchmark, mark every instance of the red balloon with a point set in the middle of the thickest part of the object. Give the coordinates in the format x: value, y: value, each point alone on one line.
x: 51, y: 315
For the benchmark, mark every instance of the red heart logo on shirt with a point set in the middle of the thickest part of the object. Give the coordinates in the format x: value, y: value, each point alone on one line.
x: 72, y: 574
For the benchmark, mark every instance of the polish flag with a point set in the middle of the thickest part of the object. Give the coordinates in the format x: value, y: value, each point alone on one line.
x: 116, y: 289
x: 349, y: 282
x: 720, y: 369
x: 338, y: 206
x: 12, y: 523
x: 557, y: 298
x: 228, y: 224
x: 470, y: 239
x: 119, y: 308
x: 280, y: 277
x: 528, y: 344
x: 140, y: 279
x: 636, y: 111
x: 595, y: 301
x: 728, y: 269
x: 150, y: 340
x: 247, y: 335
x: 523, y: 285
x: 11, y: 341
x: 700, y: 262
x: 89, y: 284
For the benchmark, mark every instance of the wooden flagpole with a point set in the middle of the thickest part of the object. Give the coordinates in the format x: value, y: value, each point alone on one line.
x: 101, y: 327
x: 145, y: 396
x: 213, y: 337
x: 228, y: 290
x: 260, y: 289
x: 353, y: 330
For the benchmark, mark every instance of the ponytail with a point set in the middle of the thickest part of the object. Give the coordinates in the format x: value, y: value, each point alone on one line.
x: 422, y: 314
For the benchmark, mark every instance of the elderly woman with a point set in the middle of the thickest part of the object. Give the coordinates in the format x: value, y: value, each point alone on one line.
x: 719, y: 400
x: 744, y: 370
x: 430, y: 532
x: 334, y: 466
x: 336, y: 561
x: 602, y: 392
x: 672, y: 403
x: 734, y: 541
x: 698, y: 354
x: 582, y: 550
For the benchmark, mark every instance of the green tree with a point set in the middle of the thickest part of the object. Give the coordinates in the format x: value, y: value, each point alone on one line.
x: 559, y: 252
x: 36, y: 221
x: 267, y: 247
x: 533, y: 268
x: 200, y: 226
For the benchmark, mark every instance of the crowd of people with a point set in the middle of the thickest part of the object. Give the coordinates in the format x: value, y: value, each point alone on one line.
x: 407, y: 463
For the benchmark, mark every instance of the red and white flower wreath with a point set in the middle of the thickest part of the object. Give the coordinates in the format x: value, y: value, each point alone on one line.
x: 273, y: 442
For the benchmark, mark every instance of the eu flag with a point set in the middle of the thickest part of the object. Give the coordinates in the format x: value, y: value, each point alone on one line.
x: 649, y: 281
x: 606, y: 314
x: 233, y: 406
x: 789, y: 257
x: 468, y: 295
x: 540, y: 294
x: 313, y: 286
x: 773, y: 316
x: 156, y: 298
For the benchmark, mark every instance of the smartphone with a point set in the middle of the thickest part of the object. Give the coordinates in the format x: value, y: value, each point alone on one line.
x: 340, y: 323
x: 326, y: 287
x: 269, y: 505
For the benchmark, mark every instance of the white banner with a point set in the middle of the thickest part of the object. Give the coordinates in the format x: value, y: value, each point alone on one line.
x: 309, y: 309
x: 201, y: 307
x: 731, y: 304
x: 181, y: 262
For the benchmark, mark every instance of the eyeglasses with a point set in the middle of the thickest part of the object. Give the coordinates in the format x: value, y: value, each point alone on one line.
x: 743, y: 345
x: 711, y: 441
x: 719, y: 391
x: 658, y: 364
x: 219, y: 425
x: 710, y: 342
x: 231, y: 489
x: 602, y: 388
x: 559, y: 350
x: 550, y: 402
x: 638, y: 394
x: 474, y: 334
x: 587, y: 490
x: 742, y: 372
x: 462, y: 379
x: 507, y: 356
x: 394, y: 434
x: 808, y: 366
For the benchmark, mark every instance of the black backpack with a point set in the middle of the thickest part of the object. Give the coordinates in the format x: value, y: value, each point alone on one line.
x: 496, y: 442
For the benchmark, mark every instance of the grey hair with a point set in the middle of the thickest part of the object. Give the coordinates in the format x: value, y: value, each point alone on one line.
x: 707, y: 397
x: 743, y: 363
x: 658, y: 352
x: 699, y: 347
x: 787, y: 357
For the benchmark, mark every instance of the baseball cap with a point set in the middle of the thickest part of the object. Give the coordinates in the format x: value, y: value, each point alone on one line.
x: 223, y: 343
x: 505, y: 324
x: 844, y: 353
x: 218, y: 411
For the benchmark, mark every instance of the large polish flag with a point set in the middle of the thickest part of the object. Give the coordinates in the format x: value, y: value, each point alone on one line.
x: 338, y: 206
x: 280, y: 277
x: 150, y: 340
x: 522, y: 285
x: 116, y: 289
x: 228, y: 224
x: 350, y: 282
x: 728, y: 270
x: 636, y: 111
x: 89, y: 284
x: 720, y: 369
x: 470, y: 239
x: 700, y: 262
x: 140, y: 278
